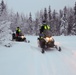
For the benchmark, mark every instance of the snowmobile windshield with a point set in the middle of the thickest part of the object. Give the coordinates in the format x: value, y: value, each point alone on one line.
x: 47, y: 33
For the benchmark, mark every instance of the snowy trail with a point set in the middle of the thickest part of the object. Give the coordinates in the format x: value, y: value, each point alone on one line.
x: 26, y: 59
x: 54, y: 64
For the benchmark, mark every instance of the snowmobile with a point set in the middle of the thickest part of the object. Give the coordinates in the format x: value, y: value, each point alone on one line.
x: 47, y: 42
x: 19, y: 37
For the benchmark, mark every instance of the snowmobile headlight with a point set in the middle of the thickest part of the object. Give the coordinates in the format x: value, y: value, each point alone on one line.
x: 51, y: 39
x: 22, y: 37
x: 47, y: 39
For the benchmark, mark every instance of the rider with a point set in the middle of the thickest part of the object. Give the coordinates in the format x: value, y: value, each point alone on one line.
x: 18, y: 31
x: 45, y: 27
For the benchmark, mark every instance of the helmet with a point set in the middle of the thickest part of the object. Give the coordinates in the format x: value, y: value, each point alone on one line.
x: 44, y: 22
x: 18, y: 27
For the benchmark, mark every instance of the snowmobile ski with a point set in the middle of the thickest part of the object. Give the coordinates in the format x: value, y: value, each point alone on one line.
x: 58, y: 48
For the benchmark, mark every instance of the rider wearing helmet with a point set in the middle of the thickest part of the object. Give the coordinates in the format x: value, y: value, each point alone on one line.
x: 18, y: 31
x: 44, y: 28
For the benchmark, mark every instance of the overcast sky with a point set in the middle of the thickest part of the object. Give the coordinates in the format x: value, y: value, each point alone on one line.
x: 27, y: 6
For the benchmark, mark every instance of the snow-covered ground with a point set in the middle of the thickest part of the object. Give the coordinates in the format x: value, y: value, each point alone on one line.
x: 26, y: 58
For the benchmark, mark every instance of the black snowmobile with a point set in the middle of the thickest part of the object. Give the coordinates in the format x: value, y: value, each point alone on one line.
x: 19, y: 37
x: 46, y: 41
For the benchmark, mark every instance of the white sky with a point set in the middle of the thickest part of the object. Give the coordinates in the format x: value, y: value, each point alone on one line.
x: 26, y: 6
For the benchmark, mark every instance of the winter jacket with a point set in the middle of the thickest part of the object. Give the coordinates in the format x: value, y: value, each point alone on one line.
x: 18, y: 31
x: 44, y: 27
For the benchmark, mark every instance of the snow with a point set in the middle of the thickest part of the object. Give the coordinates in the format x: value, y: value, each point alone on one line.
x: 26, y: 58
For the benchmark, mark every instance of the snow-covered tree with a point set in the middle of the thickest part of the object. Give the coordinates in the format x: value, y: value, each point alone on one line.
x: 36, y: 30
x: 50, y: 18
x: 64, y: 23
x: 5, y: 32
x: 74, y: 25
x: 3, y: 11
x: 49, y: 14
x: 45, y: 15
x: 2, y: 7
x: 70, y: 18
x: 30, y: 25
x: 54, y: 23
x: 15, y: 21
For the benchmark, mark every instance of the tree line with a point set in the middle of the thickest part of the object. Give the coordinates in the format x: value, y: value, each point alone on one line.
x: 62, y: 22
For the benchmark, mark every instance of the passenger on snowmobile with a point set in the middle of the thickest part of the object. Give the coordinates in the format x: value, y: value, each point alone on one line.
x: 44, y: 29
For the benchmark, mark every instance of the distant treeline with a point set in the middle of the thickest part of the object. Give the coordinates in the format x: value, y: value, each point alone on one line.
x: 61, y: 23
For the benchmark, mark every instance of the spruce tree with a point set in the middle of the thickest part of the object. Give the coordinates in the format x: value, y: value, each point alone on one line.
x: 74, y: 25
x: 45, y: 14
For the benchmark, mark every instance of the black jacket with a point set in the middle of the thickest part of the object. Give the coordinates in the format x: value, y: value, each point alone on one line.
x: 43, y: 28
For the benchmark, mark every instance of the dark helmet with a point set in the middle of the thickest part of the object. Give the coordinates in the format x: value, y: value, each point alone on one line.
x: 44, y: 22
x: 18, y: 27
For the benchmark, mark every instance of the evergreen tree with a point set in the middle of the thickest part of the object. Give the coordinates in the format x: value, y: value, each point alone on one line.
x: 3, y: 11
x: 70, y: 24
x: 36, y: 26
x: 60, y: 17
x: 2, y: 6
x: 54, y: 23
x: 70, y: 18
x: 49, y: 13
x: 45, y: 14
x: 60, y: 13
x: 30, y: 24
x: 5, y: 31
x: 50, y: 18
x: 64, y: 23
x: 74, y: 25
